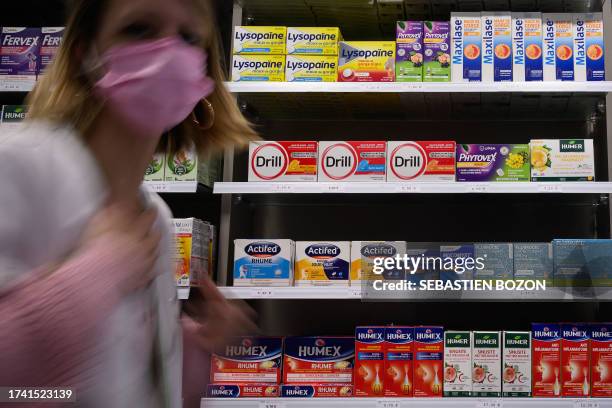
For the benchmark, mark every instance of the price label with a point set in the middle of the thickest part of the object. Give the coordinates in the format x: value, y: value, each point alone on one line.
x: 283, y: 188
x: 586, y: 404
x: 355, y: 293
x: 478, y: 188
x: 271, y: 404
x: 262, y: 293
x: 159, y: 187
x: 490, y: 404
x: 407, y: 188
x: 332, y: 188
x: 388, y: 404
x: 550, y: 188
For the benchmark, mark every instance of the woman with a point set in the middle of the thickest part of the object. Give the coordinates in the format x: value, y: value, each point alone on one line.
x: 87, y: 298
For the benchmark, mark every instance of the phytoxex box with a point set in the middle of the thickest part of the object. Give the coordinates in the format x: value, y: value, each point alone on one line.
x: 493, y: 162
x: 313, y: 40
x: 248, y: 360
x: 409, y: 52
x: 263, y: 262
x: 369, y: 361
x: 259, y: 40
x: 352, y: 161
x: 313, y: 360
x: 466, y: 45
x: 322, y: 263
x: 436, y: 46
x: 421, y: 161
x: 283, y: 161
x: 366, y: 61
x: 242, y: 391
x: 527, y: 47
x: 546, y: 359
x: 496, y: 46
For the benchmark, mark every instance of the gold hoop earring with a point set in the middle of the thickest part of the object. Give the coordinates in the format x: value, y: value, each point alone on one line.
x: 208, y: 111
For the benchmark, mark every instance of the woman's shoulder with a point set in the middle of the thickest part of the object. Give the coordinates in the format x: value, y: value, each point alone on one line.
x: 31, y: 135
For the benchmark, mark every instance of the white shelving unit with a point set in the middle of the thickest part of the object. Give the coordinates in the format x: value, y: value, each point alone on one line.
x: 407, y: 403
x: 172, y: 186
x: 399, y: 188
x: 17, y: 85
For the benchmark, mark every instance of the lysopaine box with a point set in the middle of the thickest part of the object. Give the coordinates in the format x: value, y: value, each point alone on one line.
x: 311, y: 68
x: 562, y: 160
x: 352, y: 161
x: 589, y: 58
x: 496, y: 46
x: 318, y: 360
x: 424, y: 264
x: 455, y: 255
x: 322, y: 263
x: 19, y: 51
x: 317, y: 391
x: 242, y: 391
x: 248, y: 360
x: 50, y: 43
x: 601, y: 359
x: 313, y: 41
x: 497, y: 258
x: 559, y: 47
x: 263, y: 262
x: 283, y: 161
x: 466, y: 45
x: 436, y: 46
x: 409, y: 51
x: 421, y: 161
x: 527, y: 47
x: 369, y: 361
x: 493, y: 162
x: 582, y: 262
x: 366, y: 61
x: 267, y: 68
x: 363, y: 254
x: 533, y: 260
x: 259, y: 40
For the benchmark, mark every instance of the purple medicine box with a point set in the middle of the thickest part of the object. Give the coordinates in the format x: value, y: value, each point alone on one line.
x: 19, y: 51
x: 50, y: 43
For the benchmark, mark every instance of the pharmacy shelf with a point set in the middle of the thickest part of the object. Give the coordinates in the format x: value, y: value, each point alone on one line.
x: 182, y: 293
x: 418, y: 87
x: 172, y: 186
x: 17, y: 85
x: 355, y: 293
x: 406, y: 402
x: 400, y: 188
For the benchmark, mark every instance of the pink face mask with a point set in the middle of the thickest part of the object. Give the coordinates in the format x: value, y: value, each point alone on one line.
x: 154, y: 85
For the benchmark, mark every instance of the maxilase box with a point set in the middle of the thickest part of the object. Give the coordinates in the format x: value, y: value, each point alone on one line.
x: 316, y: 391
x: 248, y: 360
x: 493, y: 162
x: 318, y: 360
x: 242, y: 391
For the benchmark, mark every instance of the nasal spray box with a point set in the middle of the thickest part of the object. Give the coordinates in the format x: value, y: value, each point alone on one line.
x: 589, y: 58
x: 546, y: 359
x: 399, y: 356
x: 421, y: 161
x: 527, y: 47
x: 19, y: 52
x: 516, y: 373
x: 51, y: 41
x: 457, y: 363
x: 486, y: 362
x: 575, y: 364
x: 248, y: 360
x: 260, y: 40
x: 601, y: 359
x: 319, y: 360
x: 322, y: 263
x: 428, y: 361
x: 466, y: 46
x: 559, y: 47
x: 369, y: 361
x: 352, y: 161
x: 366, y: 61
x: 283, y: 161
x: 497, y: 46
x: 263, y: 262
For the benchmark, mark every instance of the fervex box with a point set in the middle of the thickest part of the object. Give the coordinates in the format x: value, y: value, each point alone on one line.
x: 562, y: 160
x: 248, y: 360
x: 352, y: 161
x: 497, y: 259
x: 486, y: 362
x: 428, y: 361
x: 421, y: 161
x: 317, y: 391
x: 496, y: 46
x: 399, y: 356
x: 546, y: 359
x: 51, y: 41
x: 283, y: 161
x: 559, y: 47
x: 409, y: 51
x: 363, y: 255
x: 436, y: 46
x: 313, y: 40
x: 575, y: 365
x: 457, y: 363
x: 366, y: 61
x: 466, y: 44
x: 582, y: 262
x: 322, y: 263
x: 19, y: 51
x: 589, y: 52
x: 259, y: 40
x: 533, y: 260
x: 516, y: 373
x: 527, y: 47
x: 266, y: 68
x: 242, y: 391
x: 318, y: 360
x: 263, y: 262
x: 311, y: 68
x: 493, y: 162
x: 601, y: 359
x: 369, y: 361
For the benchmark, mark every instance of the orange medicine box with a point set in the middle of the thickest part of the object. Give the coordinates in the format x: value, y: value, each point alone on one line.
x: 369, y: 361
x: 399, y: 343
x: 318, y: 360
x: 546, y: 359
x: 575, y: 367
x: 283, y: 161
x: 428, y: 357
x: 248, y: 360
x: 242, y: 390
x: 601, y: 360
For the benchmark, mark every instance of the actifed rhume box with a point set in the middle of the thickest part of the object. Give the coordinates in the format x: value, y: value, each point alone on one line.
x: 527, y: 47
x: 409, y: 51
x: 493, y: 162
x: 466, y: 45
x: 322, y: 263
x: 352, y: 161
x: 259, y: 40
x: 264, y: 262
x: 283, y: 161
x: 313, y: 40
x: 421, y: 161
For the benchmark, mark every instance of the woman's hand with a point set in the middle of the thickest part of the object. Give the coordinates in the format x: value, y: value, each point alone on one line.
x: 215, y: 319
x: 131, y: 245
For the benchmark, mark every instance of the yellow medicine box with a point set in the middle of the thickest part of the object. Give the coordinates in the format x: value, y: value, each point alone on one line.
x: 311, y: 68
x: 258, y: 68
x: 313, y: 40
x: 259, y: 40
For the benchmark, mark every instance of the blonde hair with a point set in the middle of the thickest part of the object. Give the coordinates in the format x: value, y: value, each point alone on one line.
x: 64, y: 95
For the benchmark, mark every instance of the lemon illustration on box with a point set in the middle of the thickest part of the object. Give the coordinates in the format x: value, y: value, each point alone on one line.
x: 562, y: 160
